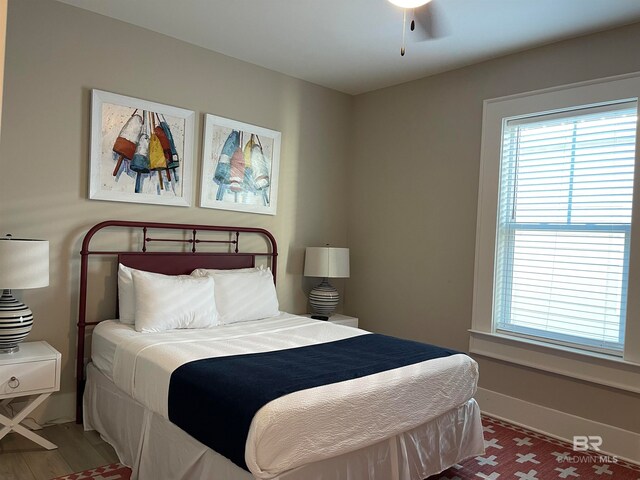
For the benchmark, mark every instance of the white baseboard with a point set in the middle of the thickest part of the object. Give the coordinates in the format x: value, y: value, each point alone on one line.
x: 616, y: 441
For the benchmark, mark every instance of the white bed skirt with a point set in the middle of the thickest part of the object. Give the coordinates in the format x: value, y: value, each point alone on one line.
x: 156, y: 449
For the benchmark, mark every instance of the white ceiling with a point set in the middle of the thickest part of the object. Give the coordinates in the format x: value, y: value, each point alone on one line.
x: 354, y: 45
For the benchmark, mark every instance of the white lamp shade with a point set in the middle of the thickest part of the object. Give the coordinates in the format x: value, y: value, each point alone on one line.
x: 326, y: 262
x: 409, y: 3
x: 24, y: 263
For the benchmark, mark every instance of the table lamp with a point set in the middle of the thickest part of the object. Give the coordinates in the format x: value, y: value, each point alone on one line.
x: 24, y: 263
x: 325, y: 262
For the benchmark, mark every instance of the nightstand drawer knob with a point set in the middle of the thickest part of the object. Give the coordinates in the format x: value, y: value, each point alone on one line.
x: 14, y: 382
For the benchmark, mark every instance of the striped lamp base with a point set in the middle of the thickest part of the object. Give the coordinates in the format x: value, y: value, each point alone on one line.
x: 16, y: 320
x: 324, y: 298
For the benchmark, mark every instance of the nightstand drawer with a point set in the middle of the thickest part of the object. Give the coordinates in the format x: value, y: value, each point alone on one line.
x: 23, y: 378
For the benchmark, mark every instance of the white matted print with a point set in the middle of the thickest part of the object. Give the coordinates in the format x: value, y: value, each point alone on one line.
x: 141, y: 151
x: 240, y: 166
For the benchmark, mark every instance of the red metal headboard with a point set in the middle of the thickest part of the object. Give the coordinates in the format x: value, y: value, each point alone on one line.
x: 169, y: 263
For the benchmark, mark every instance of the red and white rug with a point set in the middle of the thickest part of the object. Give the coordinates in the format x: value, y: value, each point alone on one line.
x: 520, y: 454
x: 115, y: 471
x: 512, y: 453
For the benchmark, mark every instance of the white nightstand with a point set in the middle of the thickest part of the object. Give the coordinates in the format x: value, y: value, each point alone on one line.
x: 32, y: 371
x: 340, y: 319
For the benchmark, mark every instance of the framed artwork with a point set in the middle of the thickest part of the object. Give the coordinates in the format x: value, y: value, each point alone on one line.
x: 141, y: 151
x: 240, y: 166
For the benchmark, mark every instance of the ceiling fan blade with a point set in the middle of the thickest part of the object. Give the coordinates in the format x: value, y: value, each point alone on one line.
x: 428, y: 22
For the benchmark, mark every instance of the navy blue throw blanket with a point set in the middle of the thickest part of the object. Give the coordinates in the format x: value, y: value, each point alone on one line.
x: 214, y: 399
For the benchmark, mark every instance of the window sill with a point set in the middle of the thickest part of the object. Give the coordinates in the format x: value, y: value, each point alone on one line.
x: 589, y: 366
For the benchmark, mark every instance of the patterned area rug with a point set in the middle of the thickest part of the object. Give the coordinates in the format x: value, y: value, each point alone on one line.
x: 511, y: 453
x: 520, y: 454
x: 115, y: 471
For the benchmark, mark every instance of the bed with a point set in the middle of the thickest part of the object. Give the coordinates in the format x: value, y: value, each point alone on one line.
x: 406, y: 421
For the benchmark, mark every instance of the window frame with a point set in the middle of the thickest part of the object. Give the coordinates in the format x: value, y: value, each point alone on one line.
x: 620, y: 372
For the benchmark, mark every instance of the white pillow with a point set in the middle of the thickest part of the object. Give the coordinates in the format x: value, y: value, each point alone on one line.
x: 241, y: 297
x: 165, y: 302
x: 207, y: 272
x: 126, y: 299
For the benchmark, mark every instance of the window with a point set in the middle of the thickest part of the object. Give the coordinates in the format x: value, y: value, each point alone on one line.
x: 557, y: 265
x: 564, y: 225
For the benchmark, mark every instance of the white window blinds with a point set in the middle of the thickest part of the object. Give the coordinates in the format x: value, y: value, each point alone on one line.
x: 564, y: 222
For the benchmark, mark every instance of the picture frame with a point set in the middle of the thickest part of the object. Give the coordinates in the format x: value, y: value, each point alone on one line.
x: 240, y: 166
x: 141, y: 151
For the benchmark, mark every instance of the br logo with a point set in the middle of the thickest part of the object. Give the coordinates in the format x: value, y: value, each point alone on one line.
x: 582, y: 443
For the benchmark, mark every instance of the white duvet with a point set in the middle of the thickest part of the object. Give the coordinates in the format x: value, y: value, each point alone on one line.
x: 305, y: 426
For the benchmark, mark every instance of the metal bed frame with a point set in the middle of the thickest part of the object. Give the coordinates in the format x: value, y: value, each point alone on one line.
x: 165, y: 262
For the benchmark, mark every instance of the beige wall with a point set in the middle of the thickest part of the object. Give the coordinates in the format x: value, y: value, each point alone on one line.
x: 3, y: 31
x: 55, y: 55
x: 413, y: 200
x: 410, y: 154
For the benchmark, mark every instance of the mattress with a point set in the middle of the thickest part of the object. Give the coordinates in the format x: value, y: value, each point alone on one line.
x: 106, y: 337
x: 302, y: 427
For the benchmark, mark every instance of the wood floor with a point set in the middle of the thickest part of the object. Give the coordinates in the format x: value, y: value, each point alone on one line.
x: 21, y: 459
